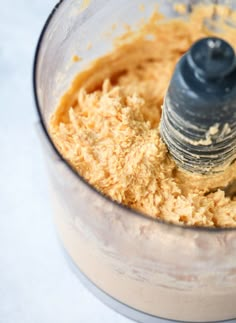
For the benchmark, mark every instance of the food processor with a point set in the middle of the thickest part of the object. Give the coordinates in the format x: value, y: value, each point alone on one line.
x: 142, y: 267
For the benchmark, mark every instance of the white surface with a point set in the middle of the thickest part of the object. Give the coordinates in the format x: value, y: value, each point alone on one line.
x: 36, y: 285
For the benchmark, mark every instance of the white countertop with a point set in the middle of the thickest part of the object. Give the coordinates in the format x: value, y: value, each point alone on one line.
x: 36, y: 283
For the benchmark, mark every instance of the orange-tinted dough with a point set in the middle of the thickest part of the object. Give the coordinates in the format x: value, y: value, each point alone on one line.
x: 106, y: 126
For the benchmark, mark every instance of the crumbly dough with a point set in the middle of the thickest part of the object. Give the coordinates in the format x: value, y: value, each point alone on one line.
x: 107, y: 127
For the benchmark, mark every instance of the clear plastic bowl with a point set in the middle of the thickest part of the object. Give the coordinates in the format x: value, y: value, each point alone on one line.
x: 142, y: 267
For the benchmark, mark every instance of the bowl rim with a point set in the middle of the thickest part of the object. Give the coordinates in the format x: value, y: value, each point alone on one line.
x: 131, y: 211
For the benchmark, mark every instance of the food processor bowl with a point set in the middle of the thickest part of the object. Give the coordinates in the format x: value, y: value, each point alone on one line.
x: 142, y: 267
